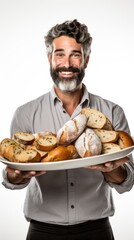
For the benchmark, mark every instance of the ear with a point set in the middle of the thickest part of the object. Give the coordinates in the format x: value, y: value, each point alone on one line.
x: 86, y: 61
x: 49, y: 57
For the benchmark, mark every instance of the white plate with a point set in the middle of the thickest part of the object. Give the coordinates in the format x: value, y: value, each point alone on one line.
x: 69, y: 164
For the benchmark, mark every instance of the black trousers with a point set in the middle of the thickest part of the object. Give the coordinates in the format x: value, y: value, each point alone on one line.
x: 90, y: 230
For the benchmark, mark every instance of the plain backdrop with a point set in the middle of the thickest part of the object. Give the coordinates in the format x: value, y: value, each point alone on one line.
x: 24, y: 75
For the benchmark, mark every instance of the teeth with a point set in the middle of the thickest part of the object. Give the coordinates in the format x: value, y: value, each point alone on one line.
x: 66, y: 73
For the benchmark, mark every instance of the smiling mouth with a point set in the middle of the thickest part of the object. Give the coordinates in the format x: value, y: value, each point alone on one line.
x: 67, y: 74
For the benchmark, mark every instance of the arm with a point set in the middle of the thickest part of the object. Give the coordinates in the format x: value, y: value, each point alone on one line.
x: 21, y: 177
x: 114, y: 171
x: 15, y: 179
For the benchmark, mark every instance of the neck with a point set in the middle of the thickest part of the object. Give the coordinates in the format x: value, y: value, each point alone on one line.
x: 70, y: 99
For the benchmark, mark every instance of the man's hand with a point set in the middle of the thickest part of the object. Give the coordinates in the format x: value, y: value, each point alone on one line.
x: 113, y: 171
x: 20, y: 177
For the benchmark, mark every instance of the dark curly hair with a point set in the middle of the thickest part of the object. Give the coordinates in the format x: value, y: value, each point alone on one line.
x: 72, y: 29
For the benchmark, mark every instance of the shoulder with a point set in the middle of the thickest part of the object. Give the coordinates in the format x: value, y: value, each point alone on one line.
x: 103, y: 104
x: 113, y: 111
x: 34, y: 103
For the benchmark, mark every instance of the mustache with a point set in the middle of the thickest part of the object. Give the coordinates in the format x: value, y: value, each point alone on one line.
x: 70, y: 69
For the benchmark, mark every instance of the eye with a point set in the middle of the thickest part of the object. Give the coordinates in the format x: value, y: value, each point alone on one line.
x: 59, y: 54
x: 76, y: 55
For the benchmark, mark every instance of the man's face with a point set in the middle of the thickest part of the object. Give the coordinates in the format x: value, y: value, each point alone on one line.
x: 67, y: 65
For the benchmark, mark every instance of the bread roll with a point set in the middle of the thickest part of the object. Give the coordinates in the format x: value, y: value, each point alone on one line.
x: 60, y: 153
x: 125, y: 140
x: 110, y: 148
x: 88, y: 144
x: 46, y: 142
x: 108, y: 125
x: 4, y: 143
x: 72, y: 129
x: 27, y: 156
x: 42, y: 153
x: 11, y: 151
x: 24, y: 137
x: 96, y: 119
x: 107, y: 135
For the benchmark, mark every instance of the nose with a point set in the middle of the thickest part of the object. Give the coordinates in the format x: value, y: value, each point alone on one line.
x: 67, y: 62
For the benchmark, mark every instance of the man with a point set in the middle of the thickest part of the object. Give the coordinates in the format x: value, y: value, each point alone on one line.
x: 76, y: 203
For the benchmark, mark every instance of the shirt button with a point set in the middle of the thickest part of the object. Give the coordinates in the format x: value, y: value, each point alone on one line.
x: 64, y: 111
x: 72, y: 206
x: 72, y: 184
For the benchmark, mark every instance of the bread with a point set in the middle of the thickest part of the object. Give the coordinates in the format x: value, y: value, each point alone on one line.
x: 42, y: 153
x: 11, y: 151
x: 96, y: 119
x: 125, y: 140
x: 72, y: 129
x: 107, y: 135
x: 73, y: 151
x: 88, y: 144
x: 4, y: 143
x: 27, y: 156
x: 108, y: 125
x: 24, y: 137
x: 110, y: 148
x: 60, y: 153
x: 46, y: 142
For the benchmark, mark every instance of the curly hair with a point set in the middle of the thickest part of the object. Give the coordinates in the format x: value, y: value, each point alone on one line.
x: 72, y: 29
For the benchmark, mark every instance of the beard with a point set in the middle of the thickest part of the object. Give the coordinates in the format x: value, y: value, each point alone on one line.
x: 67, y: 84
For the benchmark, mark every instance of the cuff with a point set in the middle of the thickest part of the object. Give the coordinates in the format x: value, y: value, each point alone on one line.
x: 9, y: 185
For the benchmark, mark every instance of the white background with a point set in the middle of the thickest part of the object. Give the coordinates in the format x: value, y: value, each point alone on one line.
x: 24, y: 75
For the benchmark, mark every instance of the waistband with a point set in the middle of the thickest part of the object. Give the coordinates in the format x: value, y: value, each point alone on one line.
x: 80, y: 227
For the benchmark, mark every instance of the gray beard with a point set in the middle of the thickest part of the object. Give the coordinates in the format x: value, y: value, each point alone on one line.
x: 68, y: 86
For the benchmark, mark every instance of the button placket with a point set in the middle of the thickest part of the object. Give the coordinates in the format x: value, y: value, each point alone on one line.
x: 71, y: 195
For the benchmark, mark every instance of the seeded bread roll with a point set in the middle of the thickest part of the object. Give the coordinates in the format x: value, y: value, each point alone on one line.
x: 88, y: 144
x: 11, y: 151
x: 4, y: 143
x: 107, y: 135
x: 24, y: 137
x: 27, y: 156
x: 42, y: 153
x: 60, y: 153
x: 96, y: 119
x: 110, y: 148
x: 46, y: 142
x: 125, y: 140
x: 72, y: 129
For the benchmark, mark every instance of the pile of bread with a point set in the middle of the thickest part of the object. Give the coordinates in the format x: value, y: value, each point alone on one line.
x: 90, y: 133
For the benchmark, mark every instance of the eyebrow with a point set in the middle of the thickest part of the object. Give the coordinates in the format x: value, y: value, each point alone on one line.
x: 61, y: 49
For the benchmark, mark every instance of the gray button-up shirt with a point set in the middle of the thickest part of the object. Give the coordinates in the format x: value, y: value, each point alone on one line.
x: 67, y: 196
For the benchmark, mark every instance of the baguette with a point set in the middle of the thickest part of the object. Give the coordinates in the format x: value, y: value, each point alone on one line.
x: 72, y: 129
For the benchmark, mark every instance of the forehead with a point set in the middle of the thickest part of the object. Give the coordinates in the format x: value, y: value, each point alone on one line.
x: 64, y: 43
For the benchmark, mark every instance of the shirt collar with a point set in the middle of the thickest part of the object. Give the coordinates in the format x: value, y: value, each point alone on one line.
x: 85, y: 97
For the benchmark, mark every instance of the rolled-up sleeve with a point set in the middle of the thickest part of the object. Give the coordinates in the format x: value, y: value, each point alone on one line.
x: 129, y: 181
x: 9, y: 185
